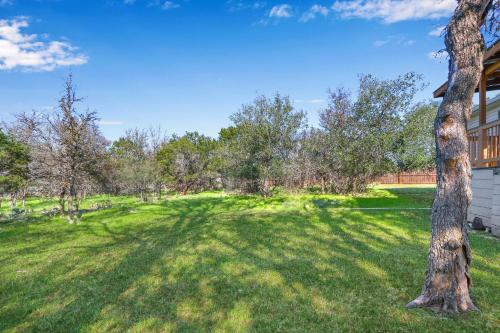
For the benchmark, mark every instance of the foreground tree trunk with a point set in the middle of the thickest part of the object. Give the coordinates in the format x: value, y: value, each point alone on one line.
x: 24, y: 194
x: 447, y: 282
x: 72, y: 195
x: 62, y: 202
x: 13, y: 200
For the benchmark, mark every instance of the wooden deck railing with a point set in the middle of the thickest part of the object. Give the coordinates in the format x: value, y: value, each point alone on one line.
x: 484, y: 145
x: 473, y: 136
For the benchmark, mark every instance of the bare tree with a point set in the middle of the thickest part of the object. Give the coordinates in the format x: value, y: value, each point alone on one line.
x: 447, y: 282
x: 66, y: 149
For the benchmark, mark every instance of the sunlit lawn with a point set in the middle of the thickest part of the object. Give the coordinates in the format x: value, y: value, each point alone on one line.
x: 214, y: 262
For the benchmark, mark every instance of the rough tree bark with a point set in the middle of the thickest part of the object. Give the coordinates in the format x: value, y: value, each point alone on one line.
x: 447, y: 282
x: 72, y: 198
x: 24, y: 194
x: 62, y: 201
x: 13, y: 200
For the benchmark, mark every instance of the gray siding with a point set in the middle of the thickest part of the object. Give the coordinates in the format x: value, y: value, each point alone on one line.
x: 482, y: 196
x: 486, y: 198
x: 486, y: 182
x: 491, y: 113
x: 495, y: 208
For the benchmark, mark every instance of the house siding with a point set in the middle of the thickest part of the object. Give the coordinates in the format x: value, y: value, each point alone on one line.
x: 482, y: 196
x: 486, y: 181
x: 495, y: 207
x: 491, y: 114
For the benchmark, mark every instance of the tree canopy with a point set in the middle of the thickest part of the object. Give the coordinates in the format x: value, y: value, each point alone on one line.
x: 14, y: 164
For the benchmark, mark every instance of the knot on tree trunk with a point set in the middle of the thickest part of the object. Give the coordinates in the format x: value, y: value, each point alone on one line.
x: 451, y: 163
x: 452, y: 245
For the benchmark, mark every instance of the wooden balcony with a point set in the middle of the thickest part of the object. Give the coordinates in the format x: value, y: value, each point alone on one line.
x: 484, y: 140
x: 484, y: 145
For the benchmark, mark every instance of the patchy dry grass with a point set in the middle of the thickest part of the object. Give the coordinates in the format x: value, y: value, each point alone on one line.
x: 213, y: 262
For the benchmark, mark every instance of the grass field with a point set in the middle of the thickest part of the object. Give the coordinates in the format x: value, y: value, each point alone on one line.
x: 214, y: 262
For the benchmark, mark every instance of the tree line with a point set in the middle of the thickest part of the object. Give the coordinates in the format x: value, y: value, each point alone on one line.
x: 269, y: 145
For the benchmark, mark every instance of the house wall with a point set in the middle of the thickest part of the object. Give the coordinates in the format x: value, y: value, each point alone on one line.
x: 492, y: 110
x: 482, y: 196
x: 486, y: 198
x: 486, y: 181
x: 495, y: 208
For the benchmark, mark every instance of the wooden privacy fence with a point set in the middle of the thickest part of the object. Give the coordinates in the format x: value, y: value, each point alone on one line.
x: 407, y: 178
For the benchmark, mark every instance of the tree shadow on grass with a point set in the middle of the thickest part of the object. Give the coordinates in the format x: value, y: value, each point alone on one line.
x: 220, y: 264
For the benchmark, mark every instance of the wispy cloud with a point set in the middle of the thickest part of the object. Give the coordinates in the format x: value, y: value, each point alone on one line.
x: 314, y: 11
x: 238, y: 5
x: 165, y: 5
x: 276, y: 14
x: 281, y: 11
x: 29, y: 52
x: 390, y: 11
x: 437, y: 32
x: 440, y: 56
x: 162, y: 4
x: 6, y: 2
x: 111, y: 122
x: 394, y: 39
x: 169, y: 5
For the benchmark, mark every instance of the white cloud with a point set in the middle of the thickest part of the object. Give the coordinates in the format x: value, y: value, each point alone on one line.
x: 165, y: 5
x: 281, y: 11
x: 436, y: 32
x: 19, y: 50
x: 237, y: 5
x: 111, y: 122
x: 391, y: 11
x: 313, y: 12
x: 440, y: 56
x: 170, y: 5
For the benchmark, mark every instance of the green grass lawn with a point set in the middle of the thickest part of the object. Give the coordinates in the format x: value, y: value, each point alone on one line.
x: 214, y: 262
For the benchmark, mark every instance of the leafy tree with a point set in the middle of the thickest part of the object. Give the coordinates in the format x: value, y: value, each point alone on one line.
x: 186, y: 162
x: 362, y: 133
x: 414, y: 148
x: 134, y: 159
x: 266, y: 134
x: 14, y: 171
x: 23, y: 130
x: 312, y: 163
x: 133, y: 172
x: 222, y: 163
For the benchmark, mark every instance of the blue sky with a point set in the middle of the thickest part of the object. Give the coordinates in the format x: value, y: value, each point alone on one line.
x: 188, y: 64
